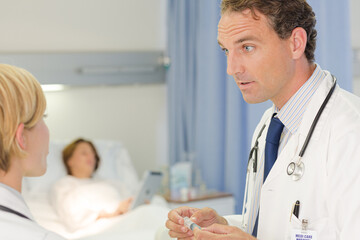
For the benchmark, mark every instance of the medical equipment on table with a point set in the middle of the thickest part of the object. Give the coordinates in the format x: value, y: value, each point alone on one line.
x: 296, y: 168
x: 190, y: 224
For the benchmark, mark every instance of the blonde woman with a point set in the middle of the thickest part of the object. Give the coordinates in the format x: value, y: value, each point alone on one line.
x: 24, y: 145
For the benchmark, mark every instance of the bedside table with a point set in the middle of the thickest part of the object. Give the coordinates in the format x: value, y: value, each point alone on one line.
x: 223, y: 203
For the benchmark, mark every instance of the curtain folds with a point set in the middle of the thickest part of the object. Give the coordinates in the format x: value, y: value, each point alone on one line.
x: 333, y: 49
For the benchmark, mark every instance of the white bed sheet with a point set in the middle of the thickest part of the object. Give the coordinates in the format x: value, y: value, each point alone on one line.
x: 141, y: 223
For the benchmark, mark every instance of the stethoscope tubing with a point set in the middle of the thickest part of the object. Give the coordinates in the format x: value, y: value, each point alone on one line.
x: 316, y: 119
x: 301, y: 153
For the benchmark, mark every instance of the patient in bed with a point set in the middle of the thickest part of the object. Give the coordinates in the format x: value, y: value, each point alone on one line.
x: 79, y: 198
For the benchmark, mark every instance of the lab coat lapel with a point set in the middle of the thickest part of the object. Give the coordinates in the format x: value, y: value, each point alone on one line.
x: 262, y: 143
x: 252, y: 204
x: 10, y: 200
x: 293, y: 147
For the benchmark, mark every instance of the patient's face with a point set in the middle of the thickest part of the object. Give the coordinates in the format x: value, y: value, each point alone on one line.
x: 82, y: 162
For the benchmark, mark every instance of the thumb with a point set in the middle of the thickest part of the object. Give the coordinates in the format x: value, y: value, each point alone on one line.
x: 205, y: 217
x: 204, y: 214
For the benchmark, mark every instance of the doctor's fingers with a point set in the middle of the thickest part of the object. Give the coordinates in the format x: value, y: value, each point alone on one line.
x: 222, y: 232
x: 176, y: 215
x: 206, y: 217
x: 201, y: 234
x: 181, y: 237
x: 175, y: 227
x: 180, y: 234
x: 221, y: 229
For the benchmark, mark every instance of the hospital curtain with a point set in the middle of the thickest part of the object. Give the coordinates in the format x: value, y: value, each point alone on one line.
x: 209, y: 123
x: 333, y: 49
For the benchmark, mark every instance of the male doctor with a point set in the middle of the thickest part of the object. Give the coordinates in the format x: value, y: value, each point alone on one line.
x: 270, y: 47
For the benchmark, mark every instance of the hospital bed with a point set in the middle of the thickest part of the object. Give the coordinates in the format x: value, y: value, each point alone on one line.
x: 143, y: 222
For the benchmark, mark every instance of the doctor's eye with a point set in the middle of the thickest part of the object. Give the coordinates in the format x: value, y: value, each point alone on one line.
x: 248, y: 48
x: 226, y: 51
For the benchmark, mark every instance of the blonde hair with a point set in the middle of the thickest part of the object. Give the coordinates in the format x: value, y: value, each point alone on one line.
x: 21, y: 101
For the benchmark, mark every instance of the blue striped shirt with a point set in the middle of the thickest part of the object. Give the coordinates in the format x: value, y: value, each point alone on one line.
x: 293, y: 111
x: 290, y: 115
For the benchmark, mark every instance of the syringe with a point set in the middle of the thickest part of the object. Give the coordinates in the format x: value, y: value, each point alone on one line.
x: 190, y: 224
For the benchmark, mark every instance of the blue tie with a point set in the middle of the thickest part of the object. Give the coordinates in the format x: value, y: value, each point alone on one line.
x: 272, y: 144
x: 271, y: 151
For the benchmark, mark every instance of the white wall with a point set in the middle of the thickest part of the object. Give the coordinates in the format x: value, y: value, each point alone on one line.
x: 82, y: 25
x: 355, y: 22
x: 355, y: 39
x: 133, y: 114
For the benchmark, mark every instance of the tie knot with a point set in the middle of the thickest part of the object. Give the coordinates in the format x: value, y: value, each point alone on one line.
x: 274, y: 132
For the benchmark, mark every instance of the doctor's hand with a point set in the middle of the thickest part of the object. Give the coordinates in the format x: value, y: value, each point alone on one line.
x: 203, y: 217
x: 221, y: 232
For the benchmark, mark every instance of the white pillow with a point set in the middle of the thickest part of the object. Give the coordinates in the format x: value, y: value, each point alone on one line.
x: 115, y: 165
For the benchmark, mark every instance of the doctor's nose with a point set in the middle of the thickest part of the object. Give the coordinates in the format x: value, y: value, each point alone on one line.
x: 234, y: 65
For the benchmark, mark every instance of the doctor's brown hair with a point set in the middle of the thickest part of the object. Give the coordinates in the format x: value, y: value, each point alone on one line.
x: 283, y: 15
x: 70, y: 149
x: 21, y: 101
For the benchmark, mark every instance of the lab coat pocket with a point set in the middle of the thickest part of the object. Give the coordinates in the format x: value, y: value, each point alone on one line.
x: 321, y: 226
x: 294, y: 223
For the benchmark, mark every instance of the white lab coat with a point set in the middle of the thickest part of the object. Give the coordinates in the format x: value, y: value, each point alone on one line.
x: 329, y: 191
x: 13, y: 227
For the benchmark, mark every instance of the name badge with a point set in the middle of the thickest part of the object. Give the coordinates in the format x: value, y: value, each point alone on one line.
x: 298, y: 234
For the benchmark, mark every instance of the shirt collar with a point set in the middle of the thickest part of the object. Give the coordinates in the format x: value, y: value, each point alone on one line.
x: 292, y: 112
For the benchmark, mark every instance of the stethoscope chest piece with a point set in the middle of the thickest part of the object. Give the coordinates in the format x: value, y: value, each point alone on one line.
x: 296, y: 170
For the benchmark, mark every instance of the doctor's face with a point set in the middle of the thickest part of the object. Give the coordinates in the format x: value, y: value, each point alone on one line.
x: 82, y: 161
x: 260, y: 62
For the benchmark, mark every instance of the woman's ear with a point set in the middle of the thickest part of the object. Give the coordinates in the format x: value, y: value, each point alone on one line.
x: 19, y: 135
x: 298, y: 40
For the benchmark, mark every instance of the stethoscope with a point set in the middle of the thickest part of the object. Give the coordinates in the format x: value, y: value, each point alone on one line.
x: 296, y: 168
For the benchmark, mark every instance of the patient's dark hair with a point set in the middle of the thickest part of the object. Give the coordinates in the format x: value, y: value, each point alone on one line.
x: 283, y: 15
x: 70, y: 149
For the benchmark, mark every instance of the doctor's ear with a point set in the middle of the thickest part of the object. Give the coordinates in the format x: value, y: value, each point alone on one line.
x: 19, y: 136
x: 298, y: 41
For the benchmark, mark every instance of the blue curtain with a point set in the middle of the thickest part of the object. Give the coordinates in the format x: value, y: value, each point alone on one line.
x: 209, y: 123
x: 181, y: 78
x: 333, y: 50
